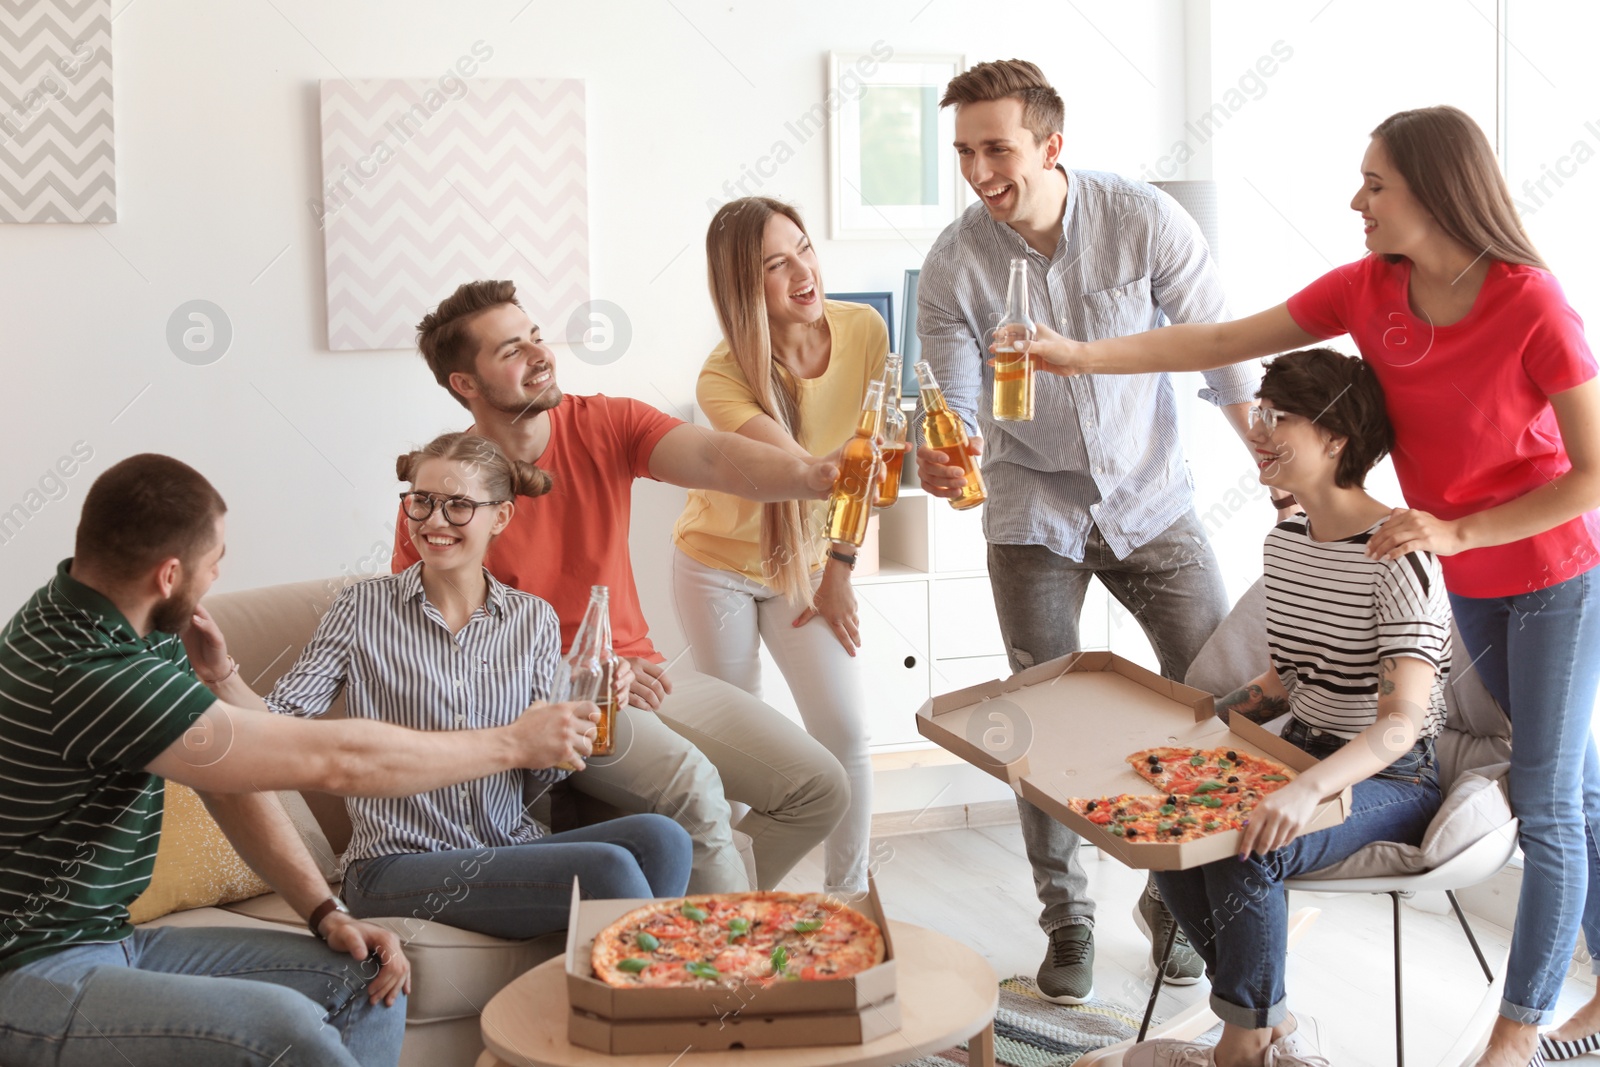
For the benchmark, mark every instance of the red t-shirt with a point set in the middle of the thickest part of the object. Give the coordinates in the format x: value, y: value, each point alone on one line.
x: 576, y: 535
x: 1470, y: 405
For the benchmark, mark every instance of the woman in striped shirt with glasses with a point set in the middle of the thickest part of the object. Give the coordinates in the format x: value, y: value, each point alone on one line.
x: 442, y: 645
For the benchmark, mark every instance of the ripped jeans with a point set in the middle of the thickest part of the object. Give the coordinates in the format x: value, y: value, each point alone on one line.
x: 1172, y: 587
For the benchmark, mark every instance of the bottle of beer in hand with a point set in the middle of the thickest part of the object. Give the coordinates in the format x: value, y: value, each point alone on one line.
x: 591, y: 666
x: 851, y: 503
x: 895, y: 444
x: 943, y: 431
x: 1013, y: 367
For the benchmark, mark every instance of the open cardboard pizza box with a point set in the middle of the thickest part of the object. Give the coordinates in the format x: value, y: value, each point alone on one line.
x: 847, y: 1011
x: 1065, y: 728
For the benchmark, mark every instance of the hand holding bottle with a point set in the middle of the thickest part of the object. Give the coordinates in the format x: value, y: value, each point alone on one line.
x: 557, y: 735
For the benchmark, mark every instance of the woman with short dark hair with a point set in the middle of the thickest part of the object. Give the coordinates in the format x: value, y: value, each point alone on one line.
x: 1491, y: 389
x: 1360, y: 652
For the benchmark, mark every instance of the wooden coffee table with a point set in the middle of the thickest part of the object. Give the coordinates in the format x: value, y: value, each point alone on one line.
x: 947, y: 995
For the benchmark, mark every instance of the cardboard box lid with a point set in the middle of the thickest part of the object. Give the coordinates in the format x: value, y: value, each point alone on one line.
x: 1065, y: 728
x: 587, y: 993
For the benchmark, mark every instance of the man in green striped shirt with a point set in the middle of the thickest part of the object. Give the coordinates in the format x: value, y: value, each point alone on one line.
x: 112, y: 679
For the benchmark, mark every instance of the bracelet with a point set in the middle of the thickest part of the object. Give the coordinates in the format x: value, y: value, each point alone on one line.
x: 233, y: 669
x: 1285, y: 501
x: 848, y: 561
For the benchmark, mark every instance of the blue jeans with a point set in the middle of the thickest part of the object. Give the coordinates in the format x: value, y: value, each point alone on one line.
x: 525, y: 890
x: 193, y: 996
x: 1539, y: 656
x: 1236, y: 912
x: 1171, y: 585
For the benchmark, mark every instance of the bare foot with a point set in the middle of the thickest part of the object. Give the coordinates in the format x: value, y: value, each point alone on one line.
x: 1586, y: 1021
x: 1511, y: 1044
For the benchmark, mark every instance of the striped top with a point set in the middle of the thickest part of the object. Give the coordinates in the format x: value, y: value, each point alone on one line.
x: 392, y: 653
x: 1101, y: 450
x: 1333, y: 614
x: 85, y: 704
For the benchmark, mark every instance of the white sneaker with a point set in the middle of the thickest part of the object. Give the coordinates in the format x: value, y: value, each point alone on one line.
x: 1276, y: 1057
x: 1165, y: 1053
x: 1306, y: 1039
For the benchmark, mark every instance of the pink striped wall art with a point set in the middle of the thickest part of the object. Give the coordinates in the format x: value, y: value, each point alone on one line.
x: 431, y: 183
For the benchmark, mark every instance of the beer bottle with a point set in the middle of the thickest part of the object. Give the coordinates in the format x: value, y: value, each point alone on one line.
x: 944, y: 432
x: 591, y: 666
x: 1013, y: 367
x: 851, y: 503
x: 895, y: 444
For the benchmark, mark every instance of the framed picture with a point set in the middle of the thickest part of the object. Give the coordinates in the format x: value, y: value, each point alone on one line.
x: 893, y: 171
x: 882, y: 303
x: 910, y: 343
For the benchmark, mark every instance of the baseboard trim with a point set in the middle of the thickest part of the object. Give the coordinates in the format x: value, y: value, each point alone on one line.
x: 949, y: 817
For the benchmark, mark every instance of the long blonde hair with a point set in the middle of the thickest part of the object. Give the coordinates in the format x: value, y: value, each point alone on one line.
x: 735, y: 270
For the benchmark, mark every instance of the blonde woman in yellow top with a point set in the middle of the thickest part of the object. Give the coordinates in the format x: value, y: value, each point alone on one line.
x: 792, y: 370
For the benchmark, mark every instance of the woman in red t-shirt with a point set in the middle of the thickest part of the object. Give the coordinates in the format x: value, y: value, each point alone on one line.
x: 1491, y: 390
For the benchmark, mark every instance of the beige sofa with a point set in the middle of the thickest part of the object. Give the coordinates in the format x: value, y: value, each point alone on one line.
x: 454, y: 972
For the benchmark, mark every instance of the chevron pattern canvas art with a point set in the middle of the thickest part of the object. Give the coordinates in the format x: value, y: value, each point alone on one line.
x: 428, y: 184
x: 57, y: 152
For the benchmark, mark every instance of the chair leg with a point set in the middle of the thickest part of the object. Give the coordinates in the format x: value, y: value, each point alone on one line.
x: 1399, y: 1003
x: 1473, y: 941
x: 1155, y: 989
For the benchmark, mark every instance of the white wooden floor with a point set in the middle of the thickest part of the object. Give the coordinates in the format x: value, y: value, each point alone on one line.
x: 976, y: 885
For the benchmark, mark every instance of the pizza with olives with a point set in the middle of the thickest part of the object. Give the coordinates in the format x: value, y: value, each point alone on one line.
x: 732, y: 939
x: 1204, y: 792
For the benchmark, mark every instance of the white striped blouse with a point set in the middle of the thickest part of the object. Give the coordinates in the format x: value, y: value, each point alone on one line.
x: 1333, y: 615
x: 392, y: 653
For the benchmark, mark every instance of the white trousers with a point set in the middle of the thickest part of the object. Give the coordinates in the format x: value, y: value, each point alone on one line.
x: 725, y: 617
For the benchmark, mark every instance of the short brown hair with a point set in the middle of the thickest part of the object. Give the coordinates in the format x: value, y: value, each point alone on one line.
x: 1446, y: 160
x: 1339, y: 393
x: 443, y: 337
x: 142, y: 511
x: 1042, y: 110
x: 503, y: 477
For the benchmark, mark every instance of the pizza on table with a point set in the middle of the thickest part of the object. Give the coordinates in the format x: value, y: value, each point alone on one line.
x: 733, y: 939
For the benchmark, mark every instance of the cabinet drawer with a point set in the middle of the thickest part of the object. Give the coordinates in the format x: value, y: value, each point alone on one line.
x: 894, y: 658
x: 964, y: 622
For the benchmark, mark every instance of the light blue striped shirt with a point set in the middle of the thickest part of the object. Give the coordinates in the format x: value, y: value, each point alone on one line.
x: 1101, y: 450
x: 392, y: 653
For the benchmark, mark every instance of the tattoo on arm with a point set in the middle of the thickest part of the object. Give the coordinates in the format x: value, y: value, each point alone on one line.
x: 1252, y: 703
x: 1385, y: 668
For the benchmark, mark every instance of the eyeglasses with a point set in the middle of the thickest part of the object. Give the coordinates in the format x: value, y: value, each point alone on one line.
x: 1270, y: 417
x: 458, y: 510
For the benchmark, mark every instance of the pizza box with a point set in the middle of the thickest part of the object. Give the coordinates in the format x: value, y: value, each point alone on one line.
x: 749, y: 1028
x: 587, y: 994
x: 1064, y: 729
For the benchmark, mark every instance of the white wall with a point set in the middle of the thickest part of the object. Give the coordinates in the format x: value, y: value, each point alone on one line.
x: 217, y: 141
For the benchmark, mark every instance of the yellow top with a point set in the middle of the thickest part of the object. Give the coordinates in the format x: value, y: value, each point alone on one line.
x: 724, y: 531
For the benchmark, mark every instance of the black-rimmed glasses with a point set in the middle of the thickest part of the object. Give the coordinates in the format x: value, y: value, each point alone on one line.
x: 458, y: 510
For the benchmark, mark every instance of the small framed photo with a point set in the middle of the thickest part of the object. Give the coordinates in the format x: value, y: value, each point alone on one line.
x: 893, y: 171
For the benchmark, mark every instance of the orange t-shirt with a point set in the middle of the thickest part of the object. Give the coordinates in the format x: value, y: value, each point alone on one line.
x: 576, y: 535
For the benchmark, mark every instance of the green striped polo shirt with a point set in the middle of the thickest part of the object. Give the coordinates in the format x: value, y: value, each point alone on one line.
x: 85, y: 704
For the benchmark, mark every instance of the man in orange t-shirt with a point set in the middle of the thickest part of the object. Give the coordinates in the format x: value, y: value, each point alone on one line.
x: 688, y: 743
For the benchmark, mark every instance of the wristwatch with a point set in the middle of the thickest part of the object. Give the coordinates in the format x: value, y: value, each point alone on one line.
x: 322, y: 911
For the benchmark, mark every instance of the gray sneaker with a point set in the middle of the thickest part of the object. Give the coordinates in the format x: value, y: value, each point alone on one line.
x: 1184, y: 966
x: 1067, y: 974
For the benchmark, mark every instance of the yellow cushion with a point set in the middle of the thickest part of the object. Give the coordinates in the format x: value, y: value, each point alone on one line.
x: 196, y: 867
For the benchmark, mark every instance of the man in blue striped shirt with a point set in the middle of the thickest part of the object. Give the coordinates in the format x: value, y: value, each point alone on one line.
x: 1095, y: 485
